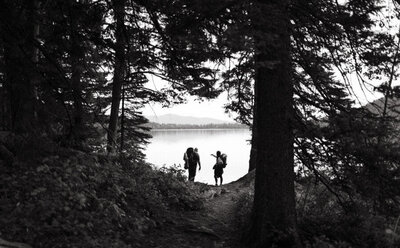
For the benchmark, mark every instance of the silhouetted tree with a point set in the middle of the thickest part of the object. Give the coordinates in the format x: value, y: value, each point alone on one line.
x: 274, y: 214
x: 18, y: 24
x: 119, y: 71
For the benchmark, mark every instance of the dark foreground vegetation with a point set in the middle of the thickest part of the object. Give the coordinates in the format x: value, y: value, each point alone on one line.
x: 324, y: 223
x: 59, y: 197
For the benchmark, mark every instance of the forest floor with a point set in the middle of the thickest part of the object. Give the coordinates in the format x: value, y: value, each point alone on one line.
x: 214, y: 226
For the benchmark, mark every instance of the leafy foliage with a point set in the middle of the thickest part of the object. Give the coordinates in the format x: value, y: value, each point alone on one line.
x: 324, y: 223
x: 67, y: 198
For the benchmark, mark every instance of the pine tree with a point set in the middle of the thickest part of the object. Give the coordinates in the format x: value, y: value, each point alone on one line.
x: 119, y: 71
x: 274, y: 214
x: 18, y: 20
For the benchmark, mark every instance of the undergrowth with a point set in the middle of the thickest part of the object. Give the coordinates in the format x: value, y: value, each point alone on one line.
x: 323, y: 223
x: 66, y: 198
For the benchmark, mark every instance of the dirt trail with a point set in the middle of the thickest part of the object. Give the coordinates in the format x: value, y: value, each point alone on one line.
x: 212, y: 227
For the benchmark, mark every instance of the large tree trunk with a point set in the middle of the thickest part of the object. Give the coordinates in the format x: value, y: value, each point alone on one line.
x: 119, y: 69
x: 253, y: 151
x: 4, y: 97
x: 76, y: 60
x: 274, y: 216
x: 17, y: 26
x: 34, y: 20
x: 121, y: 148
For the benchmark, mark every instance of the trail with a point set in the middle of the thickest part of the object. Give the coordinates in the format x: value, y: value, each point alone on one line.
x: 214, y: 226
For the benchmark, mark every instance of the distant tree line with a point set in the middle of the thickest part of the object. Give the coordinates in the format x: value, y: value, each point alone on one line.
x: 154, y: 125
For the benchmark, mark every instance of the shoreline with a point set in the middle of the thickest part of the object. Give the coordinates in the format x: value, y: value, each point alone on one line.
x: 194, y: 129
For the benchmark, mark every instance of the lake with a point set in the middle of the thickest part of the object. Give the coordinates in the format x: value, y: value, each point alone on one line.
x: 168, y: 146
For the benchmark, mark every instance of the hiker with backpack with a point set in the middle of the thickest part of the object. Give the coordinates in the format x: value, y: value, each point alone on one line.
x: 196, y: 151
x: 192, y: 158
x: 219, y: 167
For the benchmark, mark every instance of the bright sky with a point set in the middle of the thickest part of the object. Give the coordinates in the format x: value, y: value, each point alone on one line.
x: 207, y: 108
x: 212, y: 109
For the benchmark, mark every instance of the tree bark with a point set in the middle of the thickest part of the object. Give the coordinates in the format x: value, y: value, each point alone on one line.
x: 253, y: 151
x: 34, y: 20
x: 119, y: 72
x: 121, y: 148
x: 76, y: 60
x: 17, y: 25
x: 274, y: 215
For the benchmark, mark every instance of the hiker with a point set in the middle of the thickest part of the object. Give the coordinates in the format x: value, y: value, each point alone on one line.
x: 191, y: 158
x: 218, y: 168
x: 198, y: 156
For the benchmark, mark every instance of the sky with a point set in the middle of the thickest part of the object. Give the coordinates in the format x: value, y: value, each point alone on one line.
x: 214, y: 108
x: 207, y: 108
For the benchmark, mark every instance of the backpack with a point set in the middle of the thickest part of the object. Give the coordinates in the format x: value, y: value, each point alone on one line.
x: 224, y: 157
x: 186, y: 157
x: 191, y: 158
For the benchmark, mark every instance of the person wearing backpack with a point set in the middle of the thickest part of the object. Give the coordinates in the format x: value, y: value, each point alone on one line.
x: 186, y: 159
x: 196, y: 151
x: 192, y: 158
x: 219, y: 166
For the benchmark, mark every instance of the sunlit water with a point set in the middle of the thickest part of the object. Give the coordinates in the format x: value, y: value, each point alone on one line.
x: 168, y: 146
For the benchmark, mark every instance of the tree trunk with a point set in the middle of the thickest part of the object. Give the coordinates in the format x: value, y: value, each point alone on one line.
x: 253, y: 151
x: 121, y: 148
x: 34, y: 20
x: 119, y: 69
x: 274, y: 215
x: 17, y: 34
x: 76, y: 60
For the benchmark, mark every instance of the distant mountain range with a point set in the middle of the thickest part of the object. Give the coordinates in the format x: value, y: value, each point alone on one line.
x: 184, y: 120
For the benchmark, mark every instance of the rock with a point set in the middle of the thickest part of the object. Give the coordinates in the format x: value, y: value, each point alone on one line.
x: 209, y: 194
x: 202, y: 230
x: 224, y: 191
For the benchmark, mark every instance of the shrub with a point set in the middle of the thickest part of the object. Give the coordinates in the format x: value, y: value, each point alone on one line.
x: 243, y: 207
x: 73, y: 199
x: 323, y: 222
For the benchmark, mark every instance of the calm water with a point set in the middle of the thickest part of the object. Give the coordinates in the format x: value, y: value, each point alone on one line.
x: 168, y: 146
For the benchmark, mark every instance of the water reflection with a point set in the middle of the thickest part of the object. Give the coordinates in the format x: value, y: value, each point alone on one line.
x: 167, y: 148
